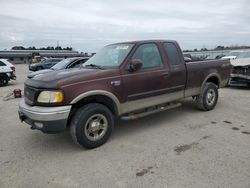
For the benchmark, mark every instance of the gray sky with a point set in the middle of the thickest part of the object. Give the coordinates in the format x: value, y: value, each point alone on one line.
x: 88, y: 25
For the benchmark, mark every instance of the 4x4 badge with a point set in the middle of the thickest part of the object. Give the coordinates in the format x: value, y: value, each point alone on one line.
x: 116, y: 82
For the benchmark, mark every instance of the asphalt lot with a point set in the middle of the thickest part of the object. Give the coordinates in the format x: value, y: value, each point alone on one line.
x: 182, y: 147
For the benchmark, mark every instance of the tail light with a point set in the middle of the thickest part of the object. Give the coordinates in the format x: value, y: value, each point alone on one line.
x: 13, y: 68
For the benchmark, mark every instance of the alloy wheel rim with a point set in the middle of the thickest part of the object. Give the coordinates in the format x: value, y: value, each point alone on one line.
x: 96, y: 127
x: 211, y: 96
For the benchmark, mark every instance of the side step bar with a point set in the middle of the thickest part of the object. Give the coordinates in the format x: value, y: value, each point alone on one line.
x: 156, y: 109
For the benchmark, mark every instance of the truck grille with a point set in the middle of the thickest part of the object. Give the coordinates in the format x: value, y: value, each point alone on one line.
x: 29, y: 95
x: 241, y: 70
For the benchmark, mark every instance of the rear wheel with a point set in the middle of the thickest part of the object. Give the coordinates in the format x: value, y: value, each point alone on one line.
x: 3, y: 80
x: 92, y: 125
x: 207, y: 100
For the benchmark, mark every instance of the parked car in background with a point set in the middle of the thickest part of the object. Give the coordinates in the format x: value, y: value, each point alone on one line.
x: 45, y: 64
x: 7, y: 72
x: 189, y: 57
x: 232, y: 55
x: 64, y: 64
x: 240, y: 75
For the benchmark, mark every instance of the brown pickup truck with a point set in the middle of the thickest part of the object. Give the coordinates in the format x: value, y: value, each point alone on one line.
x: 124, y: 80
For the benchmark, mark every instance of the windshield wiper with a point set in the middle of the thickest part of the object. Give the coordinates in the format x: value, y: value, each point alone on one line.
x: 94, y: 66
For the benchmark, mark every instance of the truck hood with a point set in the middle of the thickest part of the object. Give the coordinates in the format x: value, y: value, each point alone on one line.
x: 57, y: 79
x: 33, y: 74
x: 62, y: 75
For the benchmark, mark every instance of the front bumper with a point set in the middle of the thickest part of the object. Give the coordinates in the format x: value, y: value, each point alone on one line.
x: 239, y: 80
x: 46, y: 119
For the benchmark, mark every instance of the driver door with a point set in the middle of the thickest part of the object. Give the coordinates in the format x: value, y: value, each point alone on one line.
x: 148, y: 81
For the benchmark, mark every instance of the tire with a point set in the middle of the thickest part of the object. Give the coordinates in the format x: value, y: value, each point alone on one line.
x: 3, y: 80
x: 208, y: 98
x: 92, y: 125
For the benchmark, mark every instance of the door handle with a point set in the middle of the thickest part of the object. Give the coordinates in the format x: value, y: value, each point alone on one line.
x: 165, y: 74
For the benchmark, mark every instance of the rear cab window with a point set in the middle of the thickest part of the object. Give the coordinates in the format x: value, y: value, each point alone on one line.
x: 172, y: 53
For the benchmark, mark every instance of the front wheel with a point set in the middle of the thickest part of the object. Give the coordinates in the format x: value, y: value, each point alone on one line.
x: 208, y: 97
x: 92, y: 125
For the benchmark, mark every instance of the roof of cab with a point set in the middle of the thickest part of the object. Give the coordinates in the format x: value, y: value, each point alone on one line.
x: 145, y: 41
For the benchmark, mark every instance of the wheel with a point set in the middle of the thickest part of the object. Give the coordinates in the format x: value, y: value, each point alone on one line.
x: 3, y: 80
x: 92, y: 125
x: 208, y: 98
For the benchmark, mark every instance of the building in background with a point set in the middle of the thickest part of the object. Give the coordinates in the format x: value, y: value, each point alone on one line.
x: 26, y: 56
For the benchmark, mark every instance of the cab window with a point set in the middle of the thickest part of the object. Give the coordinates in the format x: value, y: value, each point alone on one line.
x: 172, y: 53
x: 149, y: 55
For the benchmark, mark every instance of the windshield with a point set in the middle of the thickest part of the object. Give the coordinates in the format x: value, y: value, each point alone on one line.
x: 62, y: 64
x: 110, y: 56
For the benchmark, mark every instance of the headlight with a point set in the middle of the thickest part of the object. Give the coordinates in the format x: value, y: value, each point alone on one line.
x: 50, y: 97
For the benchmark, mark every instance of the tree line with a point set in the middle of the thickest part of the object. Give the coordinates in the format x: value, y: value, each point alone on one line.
x: 42, y: 48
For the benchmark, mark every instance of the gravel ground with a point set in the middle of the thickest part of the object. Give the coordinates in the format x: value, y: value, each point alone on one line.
x: 182, y: 147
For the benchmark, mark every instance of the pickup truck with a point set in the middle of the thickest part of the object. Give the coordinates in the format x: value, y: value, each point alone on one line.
x: 124, y: 80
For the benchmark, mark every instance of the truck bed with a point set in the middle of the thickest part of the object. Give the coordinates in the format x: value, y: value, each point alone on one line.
x: 199, y: 71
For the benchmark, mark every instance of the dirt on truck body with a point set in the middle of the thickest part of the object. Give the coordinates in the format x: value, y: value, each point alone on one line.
x: 124, y: 80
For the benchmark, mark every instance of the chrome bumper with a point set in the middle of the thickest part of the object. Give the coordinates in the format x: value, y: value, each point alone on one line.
x: 46, y: 119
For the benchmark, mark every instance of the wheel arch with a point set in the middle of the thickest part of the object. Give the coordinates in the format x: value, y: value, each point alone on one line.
x: 98, y: 96
x: 214, y: 78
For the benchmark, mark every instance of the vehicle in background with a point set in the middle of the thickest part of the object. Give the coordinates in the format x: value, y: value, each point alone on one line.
x: 232, y: 55
x: 220, y: 56
x: 190, y: 57
x: 229, y: 57
x: 124, y: 80
x: 7, y: 72
x: 45, y: 64
x: 68, y: 63
x: 240, y: 75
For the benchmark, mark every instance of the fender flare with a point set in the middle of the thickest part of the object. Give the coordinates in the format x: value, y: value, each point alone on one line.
x: 210, y: 76
x: 99, y: 92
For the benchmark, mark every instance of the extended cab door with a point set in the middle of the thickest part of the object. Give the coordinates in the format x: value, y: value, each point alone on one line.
x: 150, y: 80
x: 177, y: 77
x: 156, y: 82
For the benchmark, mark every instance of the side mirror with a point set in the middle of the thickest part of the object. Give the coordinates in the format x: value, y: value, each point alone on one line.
x: 135, y: 65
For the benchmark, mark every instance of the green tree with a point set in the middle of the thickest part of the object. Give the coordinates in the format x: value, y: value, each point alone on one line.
x: 18, y: 48
x: 203, y: 49
x: 58, y: 48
